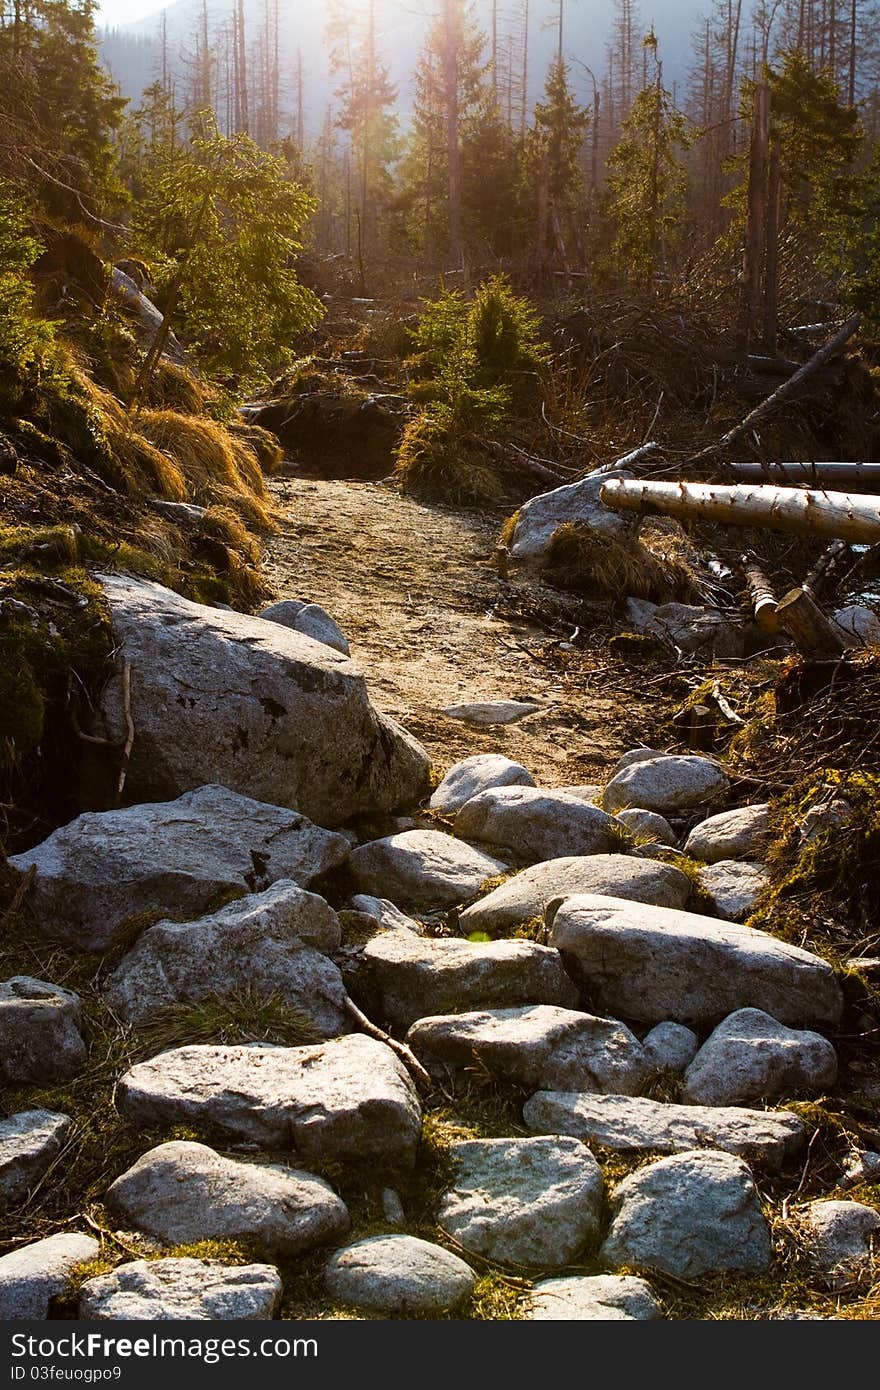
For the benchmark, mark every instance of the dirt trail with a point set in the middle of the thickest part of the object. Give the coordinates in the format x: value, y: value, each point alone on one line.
x: 413, y: 588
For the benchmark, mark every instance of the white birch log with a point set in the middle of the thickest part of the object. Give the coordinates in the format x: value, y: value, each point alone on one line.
x: 851, y: 516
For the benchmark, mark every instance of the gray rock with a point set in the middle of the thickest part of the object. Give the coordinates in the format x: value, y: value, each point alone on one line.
x: 414, y: 976
x: 492, y: 711
x: 185, y: 514
x: 538, y: 1045
x: 858, y: 624
x: 149, y: 318
x: 687, y: 627
x: 540, y: 517
x: 656, y: 964
x: 635, y: 755
x: 34, y: 1274
x: 531, y: 1202
x: 256, y: 944
x: 314, y: 622
x: 825, y: 816
x: 422, y: 869
x: 531, y: 824
x: 40, y: 1041
x: 670, y: 1046
x: 392, y: 1208
x: 734, y: 887
x: 750, y: 1056
x: 860, y: 1166
x: 398, y: 1274
x: 223, y: 697
x: 28, y: 1143
x: 626, y: 1124
x: 181, y: 1290
x: 692, y: 1214
x: 171, y: 857
x: 584, y: 791
x: 526, y: 895
x: 648, y: 827
x: 668, y: 785
x: 843, y: 1241
x: 596, y: 1298
x: 477, y: 774
x: 285, y: 612
x: 350, y: 1099
x: 739, y: 834
x: 182, y: 1192
x: 310, y: 619
x: 385, y: 914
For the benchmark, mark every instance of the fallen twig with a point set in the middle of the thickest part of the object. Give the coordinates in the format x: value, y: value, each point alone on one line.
x: 21, y: 893
x: 406, y: 1055
x: 129, y: 725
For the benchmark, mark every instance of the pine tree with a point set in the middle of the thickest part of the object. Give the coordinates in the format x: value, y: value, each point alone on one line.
x: 58, y: 109
x: 449, y: 86
x: 646, y: 189
x: 553, y: 169
x: 820, y: 139
x: 366, y: 96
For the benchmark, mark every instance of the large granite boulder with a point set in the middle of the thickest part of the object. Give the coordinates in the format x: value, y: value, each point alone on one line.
x: 842, y: 1240
x: 692, y: 1214
x: 217, y: 696
x: 413, y: 976
x: 531, y: 824
x: 422, y: 869
x: 592, y: 1298
x: 752, y: 1057
x: 40, y: 1039
x: 670, y: 785
x: 734, y: 887
x: 655, y: 964
x: 29, y: 1141
x: 257, y: 944
x: 398, y: 1274
x: 629, y: 1123
x: 474, y: 775
x: 535, y: 1202
x: 182, y: 1192
x: 739, y: 834
x: 171, y: 857
x: 181, y: 1290
x: 32, y: 1275
x: 525, y: 896
x: 540, y: 517
x: 349, y: 1100
x: 537, y: 1046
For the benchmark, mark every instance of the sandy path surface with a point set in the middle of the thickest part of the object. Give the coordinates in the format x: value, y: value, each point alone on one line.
x: 431, y: 624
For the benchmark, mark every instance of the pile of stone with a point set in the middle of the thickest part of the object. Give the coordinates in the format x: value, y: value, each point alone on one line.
x: 613, y: 983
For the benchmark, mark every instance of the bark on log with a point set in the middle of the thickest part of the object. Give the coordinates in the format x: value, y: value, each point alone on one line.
x: 800, y: 511
x: 764, y: 604
x: 817, y: 474
x: 808, y: 628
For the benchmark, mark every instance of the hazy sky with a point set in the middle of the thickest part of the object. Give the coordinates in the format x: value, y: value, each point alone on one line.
x: 116, y: 12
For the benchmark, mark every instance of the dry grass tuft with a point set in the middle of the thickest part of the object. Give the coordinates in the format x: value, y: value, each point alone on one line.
x: 264, y: 443
x: 580, y: 557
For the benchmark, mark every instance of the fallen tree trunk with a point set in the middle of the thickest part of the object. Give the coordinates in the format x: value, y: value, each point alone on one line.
x: 800, y: 511
x: 788, y: 388
x: 815, y: 474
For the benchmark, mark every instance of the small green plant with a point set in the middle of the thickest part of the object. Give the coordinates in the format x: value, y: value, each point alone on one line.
x: 485, y: 357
